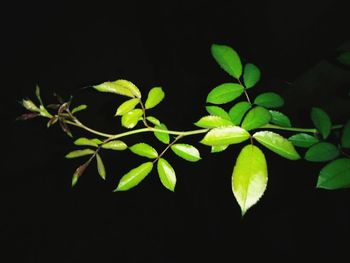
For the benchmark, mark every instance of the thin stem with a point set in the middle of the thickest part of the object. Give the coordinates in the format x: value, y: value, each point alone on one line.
x: 144, y: 119
x: 245, y: 91
x: 167, y: 148
x: 80, y: 125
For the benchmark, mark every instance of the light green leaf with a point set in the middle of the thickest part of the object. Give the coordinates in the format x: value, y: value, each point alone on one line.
x: 344, y: 58
x: 162, y: 136
x: 29, y: 105
x: 130, y: 119
x: 225, y: 93
x: 153, y: 120
x: 145, y: 150
x: 256, y: 118
x: 345, y: 138
x: 303, y: 140
x: 114, y: 145
x: 212, y: 122
x: 155, y: 96
x: 186, y: 151
x: 321, y: 121
x: 228, y: 59
x: 100, y: 167
x: 79, y: 108
x: 280, y: 119
x: 218, y: 111
x: 238, y: 110
x: 225, y: 136
x: 127, y: 106
x: 251, y: 75
x: 277, y: 144
x: 249, y: 177
x: 134, y: 177
x: 166, y: 174
x: 37, y: 94
x: 269, y: 100
x: 121, y: 87
x: 322, y: 152
x: 87, y: 142
x: 218, y: 148
x: 79, y: 153
x: 335, y: 175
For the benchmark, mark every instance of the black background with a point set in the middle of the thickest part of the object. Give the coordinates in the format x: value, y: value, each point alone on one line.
x: 166, y: 43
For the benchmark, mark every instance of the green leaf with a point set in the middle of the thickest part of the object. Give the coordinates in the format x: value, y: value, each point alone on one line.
x: 277, y: 144
x: 37, y: 94
x: 345, y: 138
x: 225, y: 136
x: 153, y: 120
x: 225, y: 93
x: 79, y: 153
x: 269, y: 100
x: 29, y: 105
x: 303, y: 140
x: 127, y: 106
x: 155, y: 96
x: 238, y: 110
x: 335, y: 175
x: 162, y: 136
x: 212, y: 122
x: 134, y: 177
x: 218, y: 111
x: 249, y: 177
x: 166, y: 174
x: 130, y: 119
x: 114, y: 145
x: 218, y: 148
x: 321, y: 121
x: 79, y: 108
x: 280, y: 119
x: 228, y: 59
x: 87, y: 142
x: 344, y: 58
x: 322, y: 152
x: 145, y: 150
x: 100, y: 167
x: 121, y: 87
x: 186, y: 151
x: 256, y: 118
x: 251, y: 75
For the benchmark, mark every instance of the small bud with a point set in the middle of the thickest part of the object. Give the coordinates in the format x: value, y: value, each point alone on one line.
x: 29, y: 105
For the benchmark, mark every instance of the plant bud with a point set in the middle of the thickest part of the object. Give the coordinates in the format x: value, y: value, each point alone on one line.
x: 29, y: 105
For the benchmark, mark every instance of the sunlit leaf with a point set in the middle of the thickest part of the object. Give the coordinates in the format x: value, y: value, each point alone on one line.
x: 251, y: 75
x: 134, y: 177
x: 225, y: 136
x: 162, y: 136
x: 79, y: 153
x: 212, y: 122
x: 166, y: 174
x: 127, y: 106
x: 29, y: 105
x: 114, y: 145
x: 303, y: 140
x: 238, y: 110
x: 277, y: 144
x: 269, y: 100
x: 228, y: 59
x: 280, y: 119
x: 344, y: 58
x: 256, y: 118
x: 153, y: 120
x: 322, y: 152
x: 186, y: 151
x: 121, y: 87
x: 130, y: 119
x: 86, y: 142
x: 218, y: 111
x: 144, y: 149
x: 249, y: 177
x: 218, y: 148
x: 155, y: 96
x: 79, y: 108
x: 100, y: 167
x: 335, y: 175
x: 321, y: 121
x: 345, y: 138
x: 225, y: 93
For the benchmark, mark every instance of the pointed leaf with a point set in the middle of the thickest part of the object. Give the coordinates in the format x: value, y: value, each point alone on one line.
x: 277, y: 144
x: 280, y: 119
x: 256, y: 118
x: 145, y: 150
x: 29, y: 105
x: 251, y: 75
x: 127, y: 106
x: 344, y: 58
x: 78, y: 172
x: 218, y: 148
x: 218, y: 111
x: 115, y: 145
x: 155, y: 96
x: 121, y: 87
x: 37, y: 94
x: 100, y: 167
x: 225, y: 136
x: 79, y: 108
x: 153, y: 120
x: 225, y: 93
x: 322, y: 152
x: 134, y: 177
x: 321, y: 121
x: 212, y: 122
x: 228, y: 59
x: 79, y: 153
x: 130, y: 119
x: 303, y: 140
x: 269, y: 100
x: 249, y: 177
x: 166, y: 174
x: 335, y: 175
x: 186, y: 151
x: 86, y: 142
x: 162, y: 136
x: 345, y: 138
x: 238, y: 111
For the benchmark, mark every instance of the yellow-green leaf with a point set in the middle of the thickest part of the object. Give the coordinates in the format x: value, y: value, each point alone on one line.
x: 144, y: 149
x: 130, y: 119
x: 127, y: 106
x: 155, y: 96
x: 162, y: 136
x: 100, y: 167
x: 115, y: 145
x: 79, y: 153
x: 166, y: 174
x: 153, y: 120
x: 186, y: 151
x: 87, y: 142
x: 225, y: 136
x: 218, y: 111
x: 228, y: 59
x: 121, y: 87
x: 212, y: 122
x: 218, y: 148
x: 79, y: 108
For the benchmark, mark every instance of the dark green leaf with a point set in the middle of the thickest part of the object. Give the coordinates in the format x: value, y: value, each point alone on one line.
x: 212, y: 122
x: 344, y: 58
x: 225, y: 136
x: 345, y: 138
x: 145, y: 150
x: 127, y: 106
x: 303, y: 140
x: 269, y: 100
x: 162, y: 136
x: 218, y: 111
x: 130, y: 119
x: 280, y: 119
x: 87, y: 142
x: 114, y: 145
x: 249, y: 177
x: 238, y: 110
x: 100, y: 167
x: 251, y: 75
x: 79, y: 153
x: 155, y: 96
x: 186, y: 151
x: 79, y: 108
x: 335, y: 175
x: 228, y: 59
x: 277, y: 144
x: 121, y: 87
x: 166, y: 174
x: 218, y: 148
x: 256, y: 118
x: 321, y: 121
x: 322, y: 152
x: 225, y: 93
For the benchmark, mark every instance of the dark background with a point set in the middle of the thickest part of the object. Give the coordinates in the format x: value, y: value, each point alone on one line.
x: 166, y: 43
